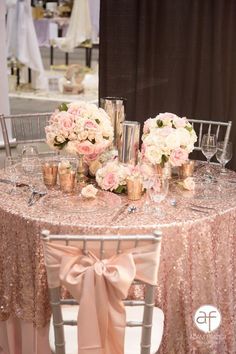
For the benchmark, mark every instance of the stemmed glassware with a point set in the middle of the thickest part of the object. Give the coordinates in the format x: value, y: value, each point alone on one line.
x: 30, y: 159
x: 12, y: 170
x: 208, y: 147
x: 157, y: 189
x: 224, y: 154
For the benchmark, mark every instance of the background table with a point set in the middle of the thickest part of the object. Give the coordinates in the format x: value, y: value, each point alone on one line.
x: 197, y: 265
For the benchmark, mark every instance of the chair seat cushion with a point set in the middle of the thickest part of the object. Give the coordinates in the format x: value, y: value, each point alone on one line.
x: 132, y: 334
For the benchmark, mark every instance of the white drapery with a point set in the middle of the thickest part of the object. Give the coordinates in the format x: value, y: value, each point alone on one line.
x: 22, y: 42
x: 4, y: 100
x: 83, y: 25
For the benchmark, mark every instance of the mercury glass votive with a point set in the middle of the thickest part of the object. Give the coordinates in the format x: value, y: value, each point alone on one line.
x: 187, y: 169
x: 50, y: 170
x: 67, y: 181
x: 134, y: 188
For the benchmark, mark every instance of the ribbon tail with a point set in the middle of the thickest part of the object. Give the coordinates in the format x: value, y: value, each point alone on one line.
x: 89, y: 338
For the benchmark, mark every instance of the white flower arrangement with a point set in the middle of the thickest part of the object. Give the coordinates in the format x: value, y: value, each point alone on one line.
x: 80, y: 128
x: 167, y: 137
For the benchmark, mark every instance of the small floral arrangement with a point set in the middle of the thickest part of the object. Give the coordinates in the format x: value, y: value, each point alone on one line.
x: 94, y: 164
x: 113, y: 176
x: 167, y: 137
x: 89, y: 192
x: 80, y: 128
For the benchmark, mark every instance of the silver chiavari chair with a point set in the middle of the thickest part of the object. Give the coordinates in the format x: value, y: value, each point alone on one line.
x: 221, y: 129
x: 146, y: 327
x: 26, y: 129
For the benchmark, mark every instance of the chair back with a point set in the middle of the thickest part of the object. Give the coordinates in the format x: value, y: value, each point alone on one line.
x: 104, y: 246
x: 221, y: 129
x: 26, y: 128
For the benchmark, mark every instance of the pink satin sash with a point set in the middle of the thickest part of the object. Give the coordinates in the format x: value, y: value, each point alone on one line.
x: 99, y: 286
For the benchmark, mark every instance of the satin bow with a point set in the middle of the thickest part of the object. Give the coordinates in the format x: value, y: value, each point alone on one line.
x: 99, y: 286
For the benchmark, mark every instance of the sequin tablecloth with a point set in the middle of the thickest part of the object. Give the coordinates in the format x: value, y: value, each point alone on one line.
x: 197, y: 266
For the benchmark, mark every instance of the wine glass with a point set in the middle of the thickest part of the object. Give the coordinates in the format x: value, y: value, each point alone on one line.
x: 30, y: 158
x: 224, y: 154
x: 208, y: 147
x: 158, y: 187
x: 12, y: 170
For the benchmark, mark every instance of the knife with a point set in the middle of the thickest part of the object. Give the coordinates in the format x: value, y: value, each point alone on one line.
x: 18, y: 184
x: 120, y: 211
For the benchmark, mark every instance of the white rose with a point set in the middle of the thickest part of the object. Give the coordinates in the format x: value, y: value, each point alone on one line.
x: 173, y: 141
x: 71, y: 148
x: 60, y: 138
x: 153, y: 154
x: 189, y: 184
x: 89, y: 191
x: 184, y: 136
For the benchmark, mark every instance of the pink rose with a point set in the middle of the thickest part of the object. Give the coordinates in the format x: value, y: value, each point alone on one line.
x: 91, y: 157
x: 143, y: 150
x: 90, y: 125
x: 110, y: 181
x: 178, y: 157
x: 85, y: 148
x: 66, y: 121
x: 180, y: 122
x: 99, y: 148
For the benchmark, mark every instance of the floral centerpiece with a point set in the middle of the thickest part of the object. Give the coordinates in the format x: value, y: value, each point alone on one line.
x: 80, y: 128
x: 112, y: 176
x: 167, y: 137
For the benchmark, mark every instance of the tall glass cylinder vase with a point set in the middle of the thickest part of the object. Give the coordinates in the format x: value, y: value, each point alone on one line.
x: 128, y: 151
x: 115, y: 107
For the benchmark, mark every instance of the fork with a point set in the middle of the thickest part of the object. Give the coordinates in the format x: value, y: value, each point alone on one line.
x: 32, y: 199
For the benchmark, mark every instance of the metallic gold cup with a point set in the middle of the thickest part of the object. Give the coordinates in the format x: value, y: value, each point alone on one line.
x: 50, y: 174
x: 67, y: 181
x: 134, y: 188
x: 187, y: 169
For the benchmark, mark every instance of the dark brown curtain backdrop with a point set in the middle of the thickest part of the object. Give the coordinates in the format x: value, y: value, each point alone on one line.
x: 170, y: 56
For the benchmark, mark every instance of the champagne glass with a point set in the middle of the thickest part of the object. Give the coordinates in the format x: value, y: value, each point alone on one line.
x: 224, y: 154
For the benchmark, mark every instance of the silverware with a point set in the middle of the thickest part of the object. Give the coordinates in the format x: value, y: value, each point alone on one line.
x: 173, y: 202
x: 18, y: 184
x: 202, y: 206
x: 120, y: 211
x: 132, y: 209
x: 199, y: 210
x: 35, y: 196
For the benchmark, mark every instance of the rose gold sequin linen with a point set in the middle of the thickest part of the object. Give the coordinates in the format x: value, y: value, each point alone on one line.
x: 197, y: 265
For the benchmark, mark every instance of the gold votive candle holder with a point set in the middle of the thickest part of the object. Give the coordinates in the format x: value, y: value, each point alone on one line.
x: 134, y: 188
x: 187, y: 169
x: 50, y: 170
x: 67, y: 181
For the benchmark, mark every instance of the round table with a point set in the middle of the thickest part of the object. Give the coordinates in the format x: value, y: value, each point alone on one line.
x: 197, y: 264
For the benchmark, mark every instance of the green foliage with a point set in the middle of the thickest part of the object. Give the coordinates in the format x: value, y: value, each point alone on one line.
x: 63, y: 107
x: 120, y: 189
x: 159, y: 123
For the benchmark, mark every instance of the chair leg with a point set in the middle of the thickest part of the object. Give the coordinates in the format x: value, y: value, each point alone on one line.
x: 88, y: 55
x: 51, y: 54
